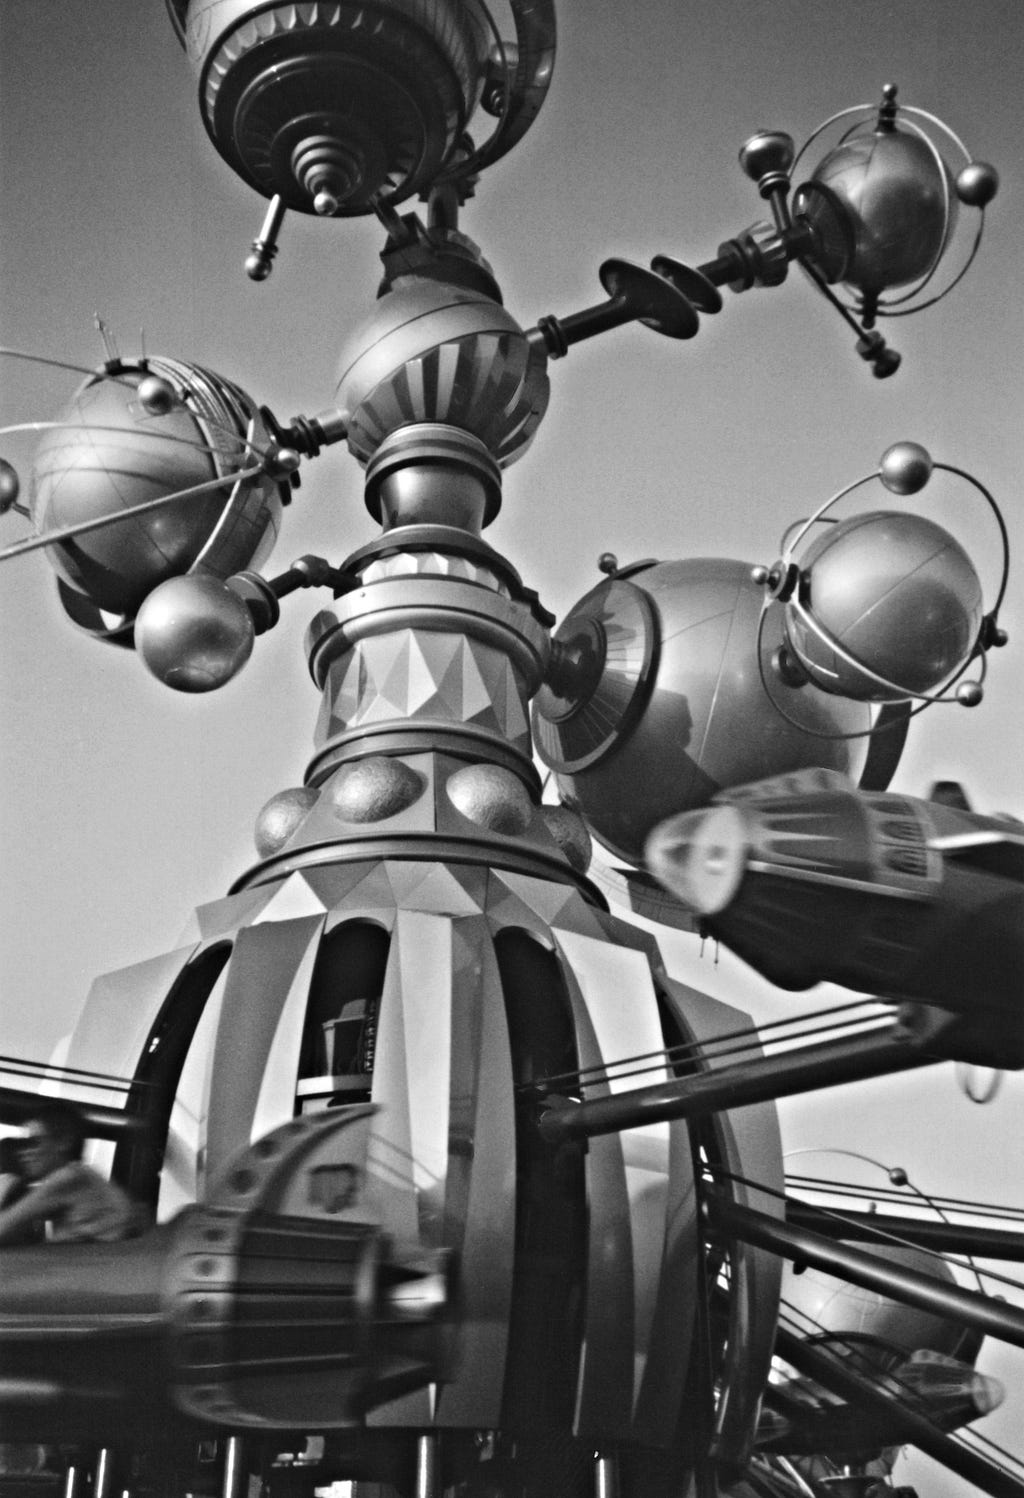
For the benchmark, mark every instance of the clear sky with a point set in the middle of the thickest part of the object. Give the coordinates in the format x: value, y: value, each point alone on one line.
x: 123, y: 805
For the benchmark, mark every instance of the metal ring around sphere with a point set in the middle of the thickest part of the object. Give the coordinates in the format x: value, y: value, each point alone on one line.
x: 939, y: 698
x: 788, y: 551
x: 865, y: 113
x: 924, y: 699
x: 661, y: 305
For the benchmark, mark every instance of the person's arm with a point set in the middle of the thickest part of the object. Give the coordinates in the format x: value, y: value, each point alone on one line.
x: 38, y: 1204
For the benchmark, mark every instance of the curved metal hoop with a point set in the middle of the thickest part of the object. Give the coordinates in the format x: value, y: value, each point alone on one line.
x: 526, y: 85
x: 860, y: 115
x: 900, y: 694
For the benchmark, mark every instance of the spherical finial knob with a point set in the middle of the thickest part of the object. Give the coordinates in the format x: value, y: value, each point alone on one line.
x: 282, y: 462
x: 258, y: 265
x: 325, y: 203
x: 905, y: 467
x: 10, y: 486
x: 760, y: 574
x: 768, y: 153
x: 977, y: 184
x: 898, y: 1176
x: 969, y: 693
x: 157, y: 396
x: 608, y: 563
x: 194, y: 633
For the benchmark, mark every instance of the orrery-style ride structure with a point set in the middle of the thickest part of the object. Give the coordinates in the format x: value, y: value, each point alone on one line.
x: 455, y: 1189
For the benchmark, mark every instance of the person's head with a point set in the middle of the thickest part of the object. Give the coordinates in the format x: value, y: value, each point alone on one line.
x: 54, y: 1136
x: 10, y: 1156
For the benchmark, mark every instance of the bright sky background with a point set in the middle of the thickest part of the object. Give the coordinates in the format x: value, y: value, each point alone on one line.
x: 123, y: 805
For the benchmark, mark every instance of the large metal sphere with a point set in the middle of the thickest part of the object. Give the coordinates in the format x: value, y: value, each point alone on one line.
x: 898, y: 203
x: 668, y: 706
x: 194, y: 633
x: 432, y: 352
x: 830, y: 1305
x: 896, y: 592
x: 109, y: 452
x: 330, y: 105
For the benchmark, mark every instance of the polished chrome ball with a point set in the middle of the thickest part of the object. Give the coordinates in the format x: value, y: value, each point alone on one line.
x: 890, y: 197
x: 156, y: 395
x: 894, y: 591
x: 977, y: 184
x: 373, y: 789
x: 282, y: 817
x: 660, y: 702
x: 329, y: 106
x: 492, y: 797
x: 433, y: 352
x: 194, y: 633
x: 109, y: 452
x: 10, y: 486
x: 905, y: 468
x: 970, y: 693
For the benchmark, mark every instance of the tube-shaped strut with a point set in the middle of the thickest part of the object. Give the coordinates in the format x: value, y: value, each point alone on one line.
x: 101, y: 1120
x: 803, y: 1069
x: 942, y: 1237
x: 995, y: 1317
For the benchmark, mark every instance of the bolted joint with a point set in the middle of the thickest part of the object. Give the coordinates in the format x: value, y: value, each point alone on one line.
x: 259, y: 598
x: 761, y: 257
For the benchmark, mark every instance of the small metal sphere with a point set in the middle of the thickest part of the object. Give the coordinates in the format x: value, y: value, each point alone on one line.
x: 898, y: 1176
x: 373, y: 789
x: 258, y: 265
x: 284, y: 461
x: 969, y: 693
x: 977, y: 184
x: 157, y: 396
x: 491, y: 796
x: 10, y: 486
x: 608, y: 563
x: 905, y: 467
x: 569, y: 831
x: 897, y: 594
x: 760, y: 574
x: 281, y: 817
x: 194, y: 633
x: 325, y: 203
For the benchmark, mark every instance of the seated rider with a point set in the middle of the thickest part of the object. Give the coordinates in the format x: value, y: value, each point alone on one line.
x: 74, y: 1201
x: 14, y: 1185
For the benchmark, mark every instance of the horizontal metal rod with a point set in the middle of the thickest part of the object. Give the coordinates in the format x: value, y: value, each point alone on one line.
x: 802, y: 1069
x: 995, y: 1317
x: 942, y: 1237
x: 836, y: 1374
x: 17, y: 1104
